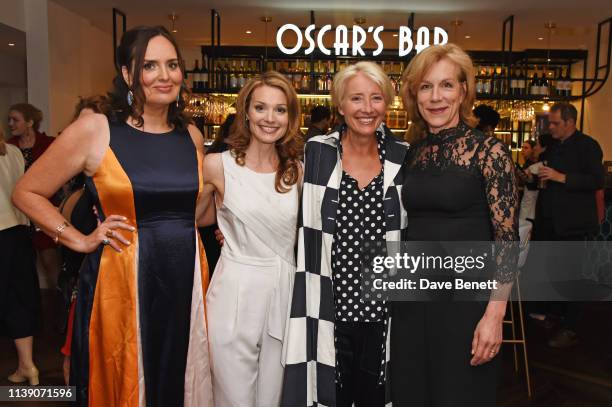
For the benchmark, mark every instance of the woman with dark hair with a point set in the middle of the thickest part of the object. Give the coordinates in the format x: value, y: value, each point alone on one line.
x: 140, y: 330
x: 528, y: 153
x: 255, y: 185
x: 24, y: 124
x: 459, y: 185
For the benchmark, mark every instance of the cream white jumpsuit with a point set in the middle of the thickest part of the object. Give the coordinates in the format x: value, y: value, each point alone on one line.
x: 248, y: 298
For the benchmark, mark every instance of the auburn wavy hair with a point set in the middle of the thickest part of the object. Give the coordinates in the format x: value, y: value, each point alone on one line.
x: 416, y: 71
x: 288, y: 147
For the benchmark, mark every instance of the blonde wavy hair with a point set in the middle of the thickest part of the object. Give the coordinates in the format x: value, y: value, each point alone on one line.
x: 288, y: 148
x: 415, y: 72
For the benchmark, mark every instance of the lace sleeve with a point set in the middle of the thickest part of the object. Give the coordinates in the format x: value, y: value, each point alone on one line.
x: 502, y: 195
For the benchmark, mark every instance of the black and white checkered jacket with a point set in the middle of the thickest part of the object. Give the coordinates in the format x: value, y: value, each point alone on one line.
x: 310, y: 353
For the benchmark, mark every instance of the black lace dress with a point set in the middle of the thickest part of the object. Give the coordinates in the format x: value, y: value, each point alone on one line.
x: 459, y: 185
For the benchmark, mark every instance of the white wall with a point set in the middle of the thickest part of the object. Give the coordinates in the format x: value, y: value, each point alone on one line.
x: 12, y: 84
x: 13, y: 14
x: 598, y: 110
x: 37, y: 43
x: 599, y: 106
x: 81, y: 63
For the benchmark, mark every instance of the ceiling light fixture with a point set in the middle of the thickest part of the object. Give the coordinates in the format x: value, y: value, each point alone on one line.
x: 395, y: 35
x: 456, y: 23
x: 540, y: 38
x: 467, y: 37
x: 266, y: 20
x: 173, y: 17
x: 11, y: 44
x: 248, y: 32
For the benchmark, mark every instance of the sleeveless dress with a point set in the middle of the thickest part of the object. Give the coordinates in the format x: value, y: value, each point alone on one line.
x: 140, y: 327
x: 248, y: 298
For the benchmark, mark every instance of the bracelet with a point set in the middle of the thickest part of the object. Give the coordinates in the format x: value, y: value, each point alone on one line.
x: 59, y: 230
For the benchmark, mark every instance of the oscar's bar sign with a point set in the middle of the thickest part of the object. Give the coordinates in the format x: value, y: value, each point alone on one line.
x: 359, y: 38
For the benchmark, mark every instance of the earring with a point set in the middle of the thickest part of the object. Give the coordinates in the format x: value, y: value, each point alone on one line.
x: 178, y: 97
x: 130, y: 97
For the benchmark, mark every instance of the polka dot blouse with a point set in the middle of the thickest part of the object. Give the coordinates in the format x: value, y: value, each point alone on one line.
x: 360, y: 218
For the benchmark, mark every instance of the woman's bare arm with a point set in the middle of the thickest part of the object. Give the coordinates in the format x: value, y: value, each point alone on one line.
x: 80, y: 147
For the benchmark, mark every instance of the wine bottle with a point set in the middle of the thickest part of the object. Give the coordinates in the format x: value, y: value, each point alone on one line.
x: 241, y: 75
x: 544, y: 85
x: 204, y: 77
x: 513, y: 83
x: 233, y: 78
x: 503, y: 82
x: 568, y: 83
x: 534, y: 86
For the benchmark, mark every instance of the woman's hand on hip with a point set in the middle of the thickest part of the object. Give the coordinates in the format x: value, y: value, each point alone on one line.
x: 107, y: 233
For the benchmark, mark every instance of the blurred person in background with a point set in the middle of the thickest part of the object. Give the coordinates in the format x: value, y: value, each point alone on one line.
x: 572, y: 174
x: 19, y: 292
x: 24, y: 122
x: 488, y: 119
x: 320, y: 120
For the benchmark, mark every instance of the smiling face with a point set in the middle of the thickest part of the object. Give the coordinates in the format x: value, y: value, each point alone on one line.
x: 17, y: 125
x: 439, y: 96
x: 161, y: 75
x: 268, y: 114
x: 363, y: 105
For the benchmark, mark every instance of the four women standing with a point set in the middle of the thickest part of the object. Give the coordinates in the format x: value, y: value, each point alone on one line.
x: 141, y: 336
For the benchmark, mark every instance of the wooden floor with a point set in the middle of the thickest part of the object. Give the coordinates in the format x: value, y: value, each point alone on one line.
x: 580, y: 377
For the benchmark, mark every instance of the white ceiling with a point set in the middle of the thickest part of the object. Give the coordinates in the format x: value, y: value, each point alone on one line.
x: 482, y: 19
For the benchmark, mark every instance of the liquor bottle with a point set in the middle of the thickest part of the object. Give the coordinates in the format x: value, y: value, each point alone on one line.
x: 486, y: 82
x: 568, y: 84
x: 197, y: 85
x: 241, y: 75
x: 521, y: 82
x: 494, y: 81
x: 204, y: 79
x: 544, y: 85
x: 534, y: 86
x: 513, y: 83
x: 218, y: 75
x: 305, y: 81
x: 233, y: 79
x: 503, y: 80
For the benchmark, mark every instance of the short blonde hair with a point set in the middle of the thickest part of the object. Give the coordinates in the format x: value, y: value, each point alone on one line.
x: 370, y: 69
x: 418, y: 68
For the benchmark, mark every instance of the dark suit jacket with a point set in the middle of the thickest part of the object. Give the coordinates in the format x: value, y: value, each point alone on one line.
x: 572, y: 206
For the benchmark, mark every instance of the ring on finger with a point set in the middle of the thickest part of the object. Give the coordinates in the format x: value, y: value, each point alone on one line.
x: 110, y: 233
x: 106, y: 241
